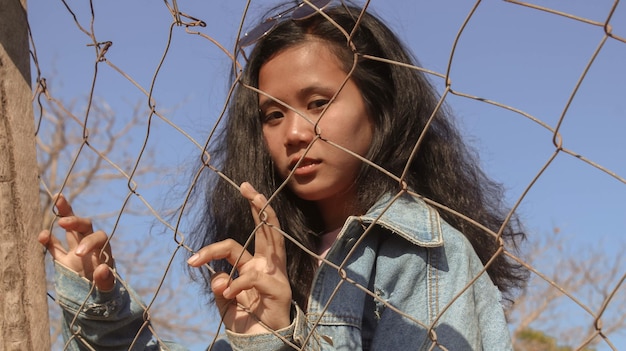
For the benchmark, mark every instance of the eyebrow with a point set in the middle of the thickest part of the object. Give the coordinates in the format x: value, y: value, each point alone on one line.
x: 268, y: 100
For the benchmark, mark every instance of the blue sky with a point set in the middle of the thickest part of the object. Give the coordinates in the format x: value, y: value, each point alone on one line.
x: 521, y: 57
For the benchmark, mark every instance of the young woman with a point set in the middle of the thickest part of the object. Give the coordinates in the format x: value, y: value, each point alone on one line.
x: 357, y: 242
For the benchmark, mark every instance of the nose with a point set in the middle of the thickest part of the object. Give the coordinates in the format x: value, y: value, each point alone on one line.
x: 299, y: 130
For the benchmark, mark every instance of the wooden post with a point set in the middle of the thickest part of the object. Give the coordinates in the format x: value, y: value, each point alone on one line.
x: 23, y: 301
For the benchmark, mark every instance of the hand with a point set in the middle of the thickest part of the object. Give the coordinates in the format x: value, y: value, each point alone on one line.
x: 85, y: 254
x: 262, y: 287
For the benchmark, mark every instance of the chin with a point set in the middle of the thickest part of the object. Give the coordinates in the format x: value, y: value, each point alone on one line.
x: 307, y: 194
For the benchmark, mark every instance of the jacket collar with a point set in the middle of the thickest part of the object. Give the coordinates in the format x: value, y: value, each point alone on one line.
x: 407, y: 216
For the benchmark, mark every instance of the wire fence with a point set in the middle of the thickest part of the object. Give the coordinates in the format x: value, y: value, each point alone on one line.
x: 127, y: 100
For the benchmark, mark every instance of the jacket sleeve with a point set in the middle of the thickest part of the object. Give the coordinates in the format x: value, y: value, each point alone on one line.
x: 282, y: 340
x: 107, y: 321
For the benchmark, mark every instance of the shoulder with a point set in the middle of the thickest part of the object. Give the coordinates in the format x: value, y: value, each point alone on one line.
x: 408, y: 216
x: 407, y: 225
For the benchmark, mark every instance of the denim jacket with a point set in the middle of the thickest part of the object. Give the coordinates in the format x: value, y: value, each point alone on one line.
x: 397, y: 278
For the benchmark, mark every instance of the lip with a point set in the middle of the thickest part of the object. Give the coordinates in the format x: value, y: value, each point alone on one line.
x: 305, y: 167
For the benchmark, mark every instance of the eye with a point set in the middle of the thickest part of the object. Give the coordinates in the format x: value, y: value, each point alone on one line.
x: 317, y: 104
x: 270, y: 116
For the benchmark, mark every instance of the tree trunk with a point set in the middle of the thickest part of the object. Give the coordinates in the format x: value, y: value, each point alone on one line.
x: 23, y: 301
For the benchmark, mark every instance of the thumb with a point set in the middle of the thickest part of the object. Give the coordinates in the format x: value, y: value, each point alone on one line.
x: 219, y: 283
x: 104, y: 278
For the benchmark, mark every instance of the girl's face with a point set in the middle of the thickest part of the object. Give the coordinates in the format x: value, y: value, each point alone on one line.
x: 306, y: 77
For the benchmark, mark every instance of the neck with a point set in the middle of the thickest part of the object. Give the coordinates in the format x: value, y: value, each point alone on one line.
x: 335, y: 212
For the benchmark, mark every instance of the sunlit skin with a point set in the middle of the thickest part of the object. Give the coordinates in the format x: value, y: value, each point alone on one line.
x: 262, y: 285
x: 306, y: 77
x: 88, y: 252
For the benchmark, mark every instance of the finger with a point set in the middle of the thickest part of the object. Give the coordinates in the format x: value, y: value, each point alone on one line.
x: 268, y: 241
x: 226, y: 290
x: 227, y: 249
x: 52, y: 244
x: 63, y: 206
x: 77, y: 224
x: 219, y: 283
x: 250, y: 280
x: 96, y: 243
x: 258, y: 202
x: 76, y: 228
x: 104, y: 278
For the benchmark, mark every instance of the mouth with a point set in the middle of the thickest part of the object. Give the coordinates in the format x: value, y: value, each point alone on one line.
x: 302, y: 167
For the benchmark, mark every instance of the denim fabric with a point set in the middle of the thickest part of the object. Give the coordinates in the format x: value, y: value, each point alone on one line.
x: 97, y: 320
x: 397, y: 278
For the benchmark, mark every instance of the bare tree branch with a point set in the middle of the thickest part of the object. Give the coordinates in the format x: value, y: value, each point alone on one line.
x: 587, y: 274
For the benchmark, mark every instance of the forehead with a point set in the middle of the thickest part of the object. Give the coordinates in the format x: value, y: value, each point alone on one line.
x: 307, y: 61
x: 313, y: 48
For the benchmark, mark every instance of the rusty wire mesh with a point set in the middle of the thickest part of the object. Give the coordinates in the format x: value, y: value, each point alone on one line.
x: 130, y: 161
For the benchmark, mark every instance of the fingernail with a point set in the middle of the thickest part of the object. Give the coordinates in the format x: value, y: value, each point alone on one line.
x: 64, y: 220
x: 80, y: 250
x: 218, y: 283
x: 106, y: 273
x: 193, y: 259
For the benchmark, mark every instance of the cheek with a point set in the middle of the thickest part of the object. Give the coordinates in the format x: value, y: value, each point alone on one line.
x: 364, y: 131
x: 271, y: 144
x: 368, y: 128
x: 367, y: 143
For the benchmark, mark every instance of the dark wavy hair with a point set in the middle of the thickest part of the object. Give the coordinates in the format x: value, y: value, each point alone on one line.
x: 401, y: 101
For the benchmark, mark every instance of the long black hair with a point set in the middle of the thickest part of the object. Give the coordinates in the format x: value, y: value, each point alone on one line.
x: 400, y: 100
